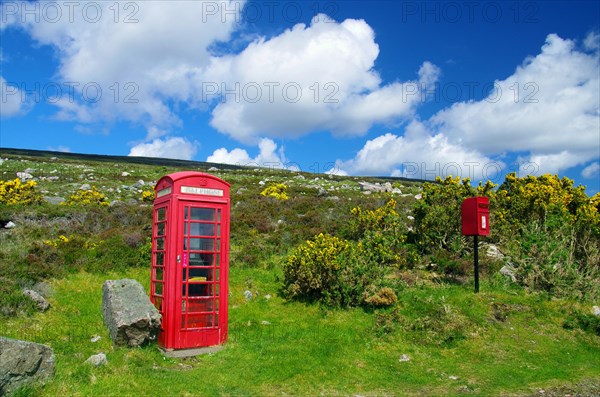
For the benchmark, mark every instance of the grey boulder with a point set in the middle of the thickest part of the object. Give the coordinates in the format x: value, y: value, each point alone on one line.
x: 131, y: 319
x: 23, y: 363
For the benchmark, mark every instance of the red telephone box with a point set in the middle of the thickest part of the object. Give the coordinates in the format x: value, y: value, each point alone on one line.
x: 476, y: 216
x: 190, y: 259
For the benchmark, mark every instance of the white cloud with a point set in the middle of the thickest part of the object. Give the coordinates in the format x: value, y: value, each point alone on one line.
x: 141, y: 54
x: 59, y: 148
x: 591, y: 171
x: 309, y: 78
x: 172, y: 148
x: 13, y: 101
x: 269, y: 156
x: 418, y: 154
x: 549, y: 107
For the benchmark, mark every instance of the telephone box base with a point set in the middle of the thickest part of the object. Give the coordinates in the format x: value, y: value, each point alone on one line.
x: 184, y: 353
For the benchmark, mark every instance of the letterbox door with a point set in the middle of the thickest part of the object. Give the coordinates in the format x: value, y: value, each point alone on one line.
x: 200, y: 254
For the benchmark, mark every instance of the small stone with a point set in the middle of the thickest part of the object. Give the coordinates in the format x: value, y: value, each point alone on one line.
x: 268, y: 296
x: 24, y: 176
x: 453, y: 377
x: 10, y: 225
x: 596, y: 310
x: 404, y: 358
x: 43, y: 288
x: 95, y: 338
x: 124, y: 173
x: 333, y: 198
x: 85, y: 186
x: 213, y: 169
x: 280, y: 222
x: 97, y: 360
x: 410, y: 218
x: 41, y: 303
x: 418, y: 196
x: 494, y: 252
x: 139, y: 184
x: 248, y: 295
x: 396, y: 191
x: 509, y: 272
x: 29, y: 171
x: 261, y: 183
x: 264, y: 322
x: 54, y: 200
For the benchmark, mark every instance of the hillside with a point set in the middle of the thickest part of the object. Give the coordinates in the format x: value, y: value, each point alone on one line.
x: 531, y: 336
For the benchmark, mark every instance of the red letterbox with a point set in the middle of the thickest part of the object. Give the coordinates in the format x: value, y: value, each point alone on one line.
x: 190, y: 259
x: 476, y: 216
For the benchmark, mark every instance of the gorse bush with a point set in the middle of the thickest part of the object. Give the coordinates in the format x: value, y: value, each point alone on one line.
x: 277, y: 191
x: 16, y: 192
x: 87, y: 197
x: 330, y: 270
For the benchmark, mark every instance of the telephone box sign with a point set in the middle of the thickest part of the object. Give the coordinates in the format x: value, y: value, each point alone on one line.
x: 202, y: 190
x: 190, y: 259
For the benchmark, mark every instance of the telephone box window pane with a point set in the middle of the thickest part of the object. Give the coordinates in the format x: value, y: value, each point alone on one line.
x: 199, y: 275
x: 199, y: 290
x: 160, y: 244
x: 203, y: 214
x: 158, y: 274
x: 158, y: 303
x: 201, y: 259
x: 218, y: 277
x: 217, y: 290
x: 185, y: 213
x: 200, y: 305
x: 160, y: 214
x: 216, y: 323
x: 218, y: 263
x: 219, y: 230
x: 160, y: 258
x: 160, y: 229
x: 199, y: 320
x: 202, y: 229
x: 158, y: 288
x: 202, y: 244
x: 218, y: 245
x: 185, y: 228
x: 218, y: 215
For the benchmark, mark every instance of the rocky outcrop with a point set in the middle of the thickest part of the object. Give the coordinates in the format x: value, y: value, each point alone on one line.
x: 23, y: 363
x: 131, y: 318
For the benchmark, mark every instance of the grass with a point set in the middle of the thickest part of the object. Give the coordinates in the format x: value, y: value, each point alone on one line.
x: 503, y: 341
x: 278, y: 347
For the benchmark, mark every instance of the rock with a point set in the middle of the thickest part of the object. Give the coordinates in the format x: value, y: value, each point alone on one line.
x: 418, y: 196
x: 131, y: 319
x: 596, y: 310
x: 52, y: 178
x: 493, y: 252
x: 410, y: 218
x: 396, y: 191
x: 404, y: 358
x: 95, y: 339
x: 132, y: 201
x: 23, y: 363
x: 41, y: 303
x: 213, y: 169
x: 24, y: 176
x: 453, y: 377
x: 333, y: 198
x: 85, y: 186
x: 261, y: 183
x: 248, y: 295
x: 139, y: 184
x: 367, y: 192
x: 321, y: 192
x: 241, y: 190
x: 97, y: 360
x: 54, y: 200
x: 10, y: 225
x: 268, y: 296
x: 264, y: 322
x: 372, y: 187
x: 125, y: 173
x: 509, y: 272
x: 43, y: 288
x: 29, y: 171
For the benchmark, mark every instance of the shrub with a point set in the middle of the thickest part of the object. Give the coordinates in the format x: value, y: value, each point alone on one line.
x: 277, y: 191
x: 148, y: 196
x: 384, y: 297
x: 15, y: 192
x: 330, y: 270
x: 87, y: 197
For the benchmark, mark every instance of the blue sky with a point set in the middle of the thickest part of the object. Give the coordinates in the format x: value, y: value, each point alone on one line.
x: 402, y: 88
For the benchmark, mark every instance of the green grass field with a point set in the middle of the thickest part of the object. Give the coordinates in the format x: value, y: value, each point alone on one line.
x: 504, y: 341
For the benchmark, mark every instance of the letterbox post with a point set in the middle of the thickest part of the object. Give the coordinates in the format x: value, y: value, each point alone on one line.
x: 475, y: 222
